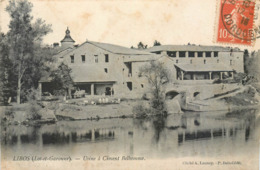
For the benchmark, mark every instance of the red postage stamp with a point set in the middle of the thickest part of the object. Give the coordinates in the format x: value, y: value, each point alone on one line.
x: 236, y: 22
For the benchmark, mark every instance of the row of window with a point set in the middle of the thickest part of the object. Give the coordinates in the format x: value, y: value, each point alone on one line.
x: 205, y: 61
x: 191, y: 54
x: 83, y: 58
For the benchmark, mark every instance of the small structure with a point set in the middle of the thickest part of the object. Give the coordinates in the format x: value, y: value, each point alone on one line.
x: 67, y: 41
x: 192, y: 62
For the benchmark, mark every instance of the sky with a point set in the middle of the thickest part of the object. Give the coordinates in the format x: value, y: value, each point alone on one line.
x: 127, y: 22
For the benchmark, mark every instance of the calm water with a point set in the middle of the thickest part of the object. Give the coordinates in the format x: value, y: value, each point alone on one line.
x: 180, y: 135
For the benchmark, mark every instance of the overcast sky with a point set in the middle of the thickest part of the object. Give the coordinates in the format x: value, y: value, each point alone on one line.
x: 126, y: 22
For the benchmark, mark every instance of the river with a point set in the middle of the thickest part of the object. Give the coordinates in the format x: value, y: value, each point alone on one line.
x: 190, y: 134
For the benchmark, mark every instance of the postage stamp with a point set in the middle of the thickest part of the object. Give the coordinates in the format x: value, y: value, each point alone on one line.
x: 238, y: 22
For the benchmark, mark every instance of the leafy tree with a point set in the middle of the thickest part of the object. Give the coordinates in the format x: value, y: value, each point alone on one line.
x: 157, y: 76
x: 251, y: 65
x: 61, y: 80
x: 24, y: 38
x: 40, y: 66
x: 6, y: 75
x: 156, y: 43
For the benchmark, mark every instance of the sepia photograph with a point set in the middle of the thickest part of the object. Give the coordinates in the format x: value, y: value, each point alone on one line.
x: 130, y: 84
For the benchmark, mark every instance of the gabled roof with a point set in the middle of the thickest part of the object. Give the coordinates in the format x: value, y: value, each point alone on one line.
x: 45, y: 79
x: 63, y: 52
x: 116, y: 49
x: 188, y: 48
x: 203, y: 67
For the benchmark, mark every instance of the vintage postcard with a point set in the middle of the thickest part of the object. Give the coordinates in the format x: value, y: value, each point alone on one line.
x: 130, y: 84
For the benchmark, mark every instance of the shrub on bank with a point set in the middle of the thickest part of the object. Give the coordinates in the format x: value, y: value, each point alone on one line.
x: 33, y: 107
x: 140, y: 111
x: 34, y: 111
x: 7, y: 116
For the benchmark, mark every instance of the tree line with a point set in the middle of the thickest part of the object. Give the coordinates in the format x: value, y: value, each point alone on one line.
x: 141, y: 45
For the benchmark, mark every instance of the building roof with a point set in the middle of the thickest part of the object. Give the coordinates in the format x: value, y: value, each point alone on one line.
x: 188, y: 48
x: 67, y: 37
x: 203, y: 67
x: 118, y: 49
x: 61, y: 53
x: 45, y: 79
x: 141, y: 58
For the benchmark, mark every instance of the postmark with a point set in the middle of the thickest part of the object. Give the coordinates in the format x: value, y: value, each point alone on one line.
x: 238, y: 22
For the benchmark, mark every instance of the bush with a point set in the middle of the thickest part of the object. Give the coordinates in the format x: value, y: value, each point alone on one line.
x: 59, y: 92
x: 9, y: 112
x: 33, y: 94
x: 140, y: 111
x: 8, y: 115
x: 34, y: 111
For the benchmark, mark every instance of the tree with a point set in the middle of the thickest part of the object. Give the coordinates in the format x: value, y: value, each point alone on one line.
x: 157, y: 76
x: 40, y: 66
x: 156, y: 43
x: 61, y: 80
x: 251, y: 65
x: 246, y: 60
x: 24, y: 38
x: 140, y: 45
x: 6, y: 75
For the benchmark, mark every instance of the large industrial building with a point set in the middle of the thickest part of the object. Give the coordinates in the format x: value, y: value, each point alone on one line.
x: 106, y: 69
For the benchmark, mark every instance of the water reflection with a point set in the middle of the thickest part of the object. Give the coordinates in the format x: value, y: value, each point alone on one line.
x: 47, y: 138
x: 175, y: 135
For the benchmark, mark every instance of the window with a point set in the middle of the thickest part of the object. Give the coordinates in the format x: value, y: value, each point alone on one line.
x: 96, y: 58
x: 106, y: 58
x: 208, y: 54
x: 142, y: 85
x: 83, y: 58
x: 129, y: 85
x: 106, y: 70
x: 215, y: 54
x: 171, y: 53
x: 204, y: 61
x: 200, y: 54
x: 72, y: 58
x: 191, y: 54
x: 182, y: 54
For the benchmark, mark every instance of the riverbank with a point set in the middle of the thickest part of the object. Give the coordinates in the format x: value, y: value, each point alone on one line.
x: 69, y: 110
x: 95, y: 108
x: 100, y: 111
